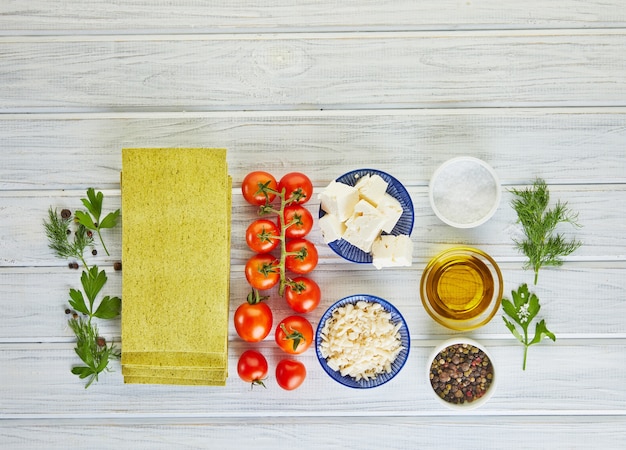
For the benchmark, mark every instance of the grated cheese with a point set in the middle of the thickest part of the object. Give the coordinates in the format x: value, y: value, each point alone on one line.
x: 360, y: 340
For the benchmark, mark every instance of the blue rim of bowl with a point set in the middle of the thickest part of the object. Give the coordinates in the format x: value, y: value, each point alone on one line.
x: 404, y: 225
x: 398, y: 363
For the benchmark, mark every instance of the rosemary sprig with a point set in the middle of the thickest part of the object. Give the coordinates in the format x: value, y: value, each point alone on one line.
x: 522, y: 310
x: 58, y: 233
x: 542, y: 245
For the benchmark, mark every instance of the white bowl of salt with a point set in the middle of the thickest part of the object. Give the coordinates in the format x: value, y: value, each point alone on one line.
x: 464, y: 192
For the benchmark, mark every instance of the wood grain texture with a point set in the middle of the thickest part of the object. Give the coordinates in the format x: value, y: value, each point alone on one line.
x: 315, y: 71
x: 535, y: 88
x: 69, y: 151
x: 198, y: 16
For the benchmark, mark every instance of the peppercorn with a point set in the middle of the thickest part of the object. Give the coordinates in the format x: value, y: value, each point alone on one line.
x: 66, y: 213
x: 101, y: 341
x: 117, y: 265
x: 94, y: 252
x: 67, y: 311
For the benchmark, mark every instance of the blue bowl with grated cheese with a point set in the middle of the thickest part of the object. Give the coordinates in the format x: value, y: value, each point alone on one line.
x: 377, y: 349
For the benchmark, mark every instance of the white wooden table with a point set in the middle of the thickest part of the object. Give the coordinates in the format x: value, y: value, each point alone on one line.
x: 535, y: 88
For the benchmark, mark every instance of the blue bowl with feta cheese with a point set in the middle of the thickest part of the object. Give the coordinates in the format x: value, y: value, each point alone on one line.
x: 366, y: 216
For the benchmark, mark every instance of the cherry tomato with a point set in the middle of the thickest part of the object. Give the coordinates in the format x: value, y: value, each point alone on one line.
x: 252, y: 367
x: 253, y: 184
x: 294, y: 334
x: 290, y: 374
x: 299, y: 221
x: 262, y: 236
x: 262, y: 271
x: 253, y: 322
x: 303, y: 294
x: 303, y: 257
x: 298, y: 187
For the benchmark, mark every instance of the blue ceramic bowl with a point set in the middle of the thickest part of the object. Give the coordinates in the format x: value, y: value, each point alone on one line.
x: 396, y: 366
x: 404, y: 225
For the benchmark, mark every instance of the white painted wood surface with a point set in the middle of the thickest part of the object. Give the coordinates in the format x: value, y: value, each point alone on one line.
x: 535, y: 88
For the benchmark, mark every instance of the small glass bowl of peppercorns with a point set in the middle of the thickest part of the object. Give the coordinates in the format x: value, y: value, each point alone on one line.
x: 461, y: 373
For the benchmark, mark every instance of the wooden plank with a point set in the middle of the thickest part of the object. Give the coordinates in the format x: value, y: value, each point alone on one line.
x: 36, y: 384
x: 313, y: 71
x: 600, y: 209
x: 189, y: 16
x: 578, y: 300
x: 561, y: 432
x: 69, y: 151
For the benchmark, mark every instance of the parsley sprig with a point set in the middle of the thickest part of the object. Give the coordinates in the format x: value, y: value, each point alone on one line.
x: 92, y: 221
x: 522, y: 310
x: 542, y: 245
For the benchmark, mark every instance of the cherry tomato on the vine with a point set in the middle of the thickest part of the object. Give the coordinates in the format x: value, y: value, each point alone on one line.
x: 253, y: 322
x: 294, y: 334
x: 252, y: 187
x: 298, y: 220
x: 252, y: 367
x: 302, y: 257
x: 290, y: 374
x: 298, y: 187
x: 262, y: 236
x: 302, y: 294
x: 262, y: 271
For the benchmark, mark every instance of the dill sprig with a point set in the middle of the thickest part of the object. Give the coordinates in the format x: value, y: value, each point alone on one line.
x: 58, y: 232
x: 542, y: 245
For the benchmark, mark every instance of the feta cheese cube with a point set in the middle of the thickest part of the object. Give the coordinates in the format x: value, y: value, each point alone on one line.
x: 339, y: 199
x: 372, y: 188
x: 392, y: 210
x: 332, y: 228
x: 392, y: 251
x: 364, y: 226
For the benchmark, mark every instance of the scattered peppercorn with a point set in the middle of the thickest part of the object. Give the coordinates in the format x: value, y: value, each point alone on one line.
x: 101, y: 341
x: 75, y: 315
x: 89, y: 233
x: 68, y: 231
x: 66, y: 213
x: 461, y: 373
x: 94, y: 252
x: 117, y: 265
x: 73, y: 265
x: 67, y: 310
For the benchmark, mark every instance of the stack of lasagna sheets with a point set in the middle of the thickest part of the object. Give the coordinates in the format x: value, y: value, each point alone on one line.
x: 176, y: 206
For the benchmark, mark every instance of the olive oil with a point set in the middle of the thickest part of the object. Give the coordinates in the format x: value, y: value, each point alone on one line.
x: 460, y: 286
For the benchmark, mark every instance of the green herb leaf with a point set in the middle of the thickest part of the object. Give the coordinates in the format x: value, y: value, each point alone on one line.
x: 92, y: 282
x: 109, y: 308
x: 82, y: 371
x: 542, y: 331
x: 85, y: 220
x: 77, y: 301
x: 93, y: 203
x: 522, y: 311
x: 110, y: 220
x: 542, y: 246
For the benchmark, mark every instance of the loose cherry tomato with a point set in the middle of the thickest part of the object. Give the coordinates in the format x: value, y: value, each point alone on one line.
x: 299, y: 221
x: 262, y: 271
x: 298, y: 187
x: 302, y: 294
x: 254, y: 185
x: 294, y: 334
x: 290, y: 374
x: 252, y: 367
x: 253, y: 321
x: 302, y: 256
x: 262, y: 236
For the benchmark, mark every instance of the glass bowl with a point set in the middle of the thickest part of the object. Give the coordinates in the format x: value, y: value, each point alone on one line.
x: 404, y: 225
x: 461, y: 288
x: 463, y: 359
x: 396, y: 365
x: 464, y: 192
